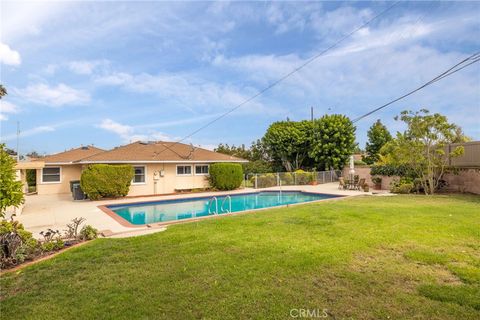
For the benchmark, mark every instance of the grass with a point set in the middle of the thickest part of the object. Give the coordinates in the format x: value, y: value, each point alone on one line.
x: 365, y: 258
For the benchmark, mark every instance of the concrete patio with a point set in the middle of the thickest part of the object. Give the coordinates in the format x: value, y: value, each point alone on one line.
x: 55, y: 211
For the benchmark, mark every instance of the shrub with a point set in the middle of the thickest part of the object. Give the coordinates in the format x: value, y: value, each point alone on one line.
x: 404, y: 186
x: 225, y: 176
x: 106, y: 181
x: 286, y: 179
x: 393, y: 170
x: 265, y: 180
x: 88, y: 233
x: 11, y: 190
x: 303, y: 177
x: 377, y: 180
x: 16, y: 244
x: 72, y: 228
x: 51, y: 240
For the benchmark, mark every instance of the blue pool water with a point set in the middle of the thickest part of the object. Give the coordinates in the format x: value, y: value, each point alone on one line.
x: 171, y: 210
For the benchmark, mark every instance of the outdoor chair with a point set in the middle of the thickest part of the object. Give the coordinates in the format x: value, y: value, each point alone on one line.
x: 360, y: 184
x: 341, y: 183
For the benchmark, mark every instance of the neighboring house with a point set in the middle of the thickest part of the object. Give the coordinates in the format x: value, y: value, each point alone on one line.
x: 160, y: 167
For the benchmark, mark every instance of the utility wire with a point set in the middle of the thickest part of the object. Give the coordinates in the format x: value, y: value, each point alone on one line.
x: 457, y: 67
x: 273, y: 84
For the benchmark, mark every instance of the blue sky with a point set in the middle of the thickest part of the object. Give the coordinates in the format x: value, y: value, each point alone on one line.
x: 110, y: 73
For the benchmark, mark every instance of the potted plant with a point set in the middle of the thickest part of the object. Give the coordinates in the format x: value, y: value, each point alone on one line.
x: 366, y: 188
x: 377, y: 182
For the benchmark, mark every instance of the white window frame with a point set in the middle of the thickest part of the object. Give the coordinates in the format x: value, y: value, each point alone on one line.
x: 144, y: 173
x: 51, y: 182
x: 202, y: 165
x: 185, y: 174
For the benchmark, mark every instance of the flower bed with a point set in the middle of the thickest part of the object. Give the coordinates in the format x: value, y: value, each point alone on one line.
x: 17, y: 245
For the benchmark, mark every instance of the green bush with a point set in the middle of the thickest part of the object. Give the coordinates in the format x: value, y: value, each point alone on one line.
x: 225, y: 176
x: 16, y: 244
x: 88, y: 233
x: 265, y: 180
x: 303, y: 177
x: 404, y: 186
x: 286, y: 179
x: 106, y: 181
x: 393, y: 170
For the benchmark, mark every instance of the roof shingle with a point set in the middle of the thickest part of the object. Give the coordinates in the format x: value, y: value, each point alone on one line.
x: 159, y: 151
x: 73, y: 155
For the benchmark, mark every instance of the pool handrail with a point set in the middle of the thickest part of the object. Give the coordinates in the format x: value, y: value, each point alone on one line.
x: 210, y: 205
x: 230, y: 204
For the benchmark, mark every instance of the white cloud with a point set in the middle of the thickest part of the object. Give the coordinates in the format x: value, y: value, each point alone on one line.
x: 9, y: 56
x: 85, y: 67
x: 54, y: 96
x: 188, y: 91
x: 29, y: 132
x: 7, y: 108
x: 129, y: 133
x: 122, y: 130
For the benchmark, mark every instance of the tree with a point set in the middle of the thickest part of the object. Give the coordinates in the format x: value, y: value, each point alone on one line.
x: 424, y: 146
x: 288, y: 142
x: 11, y: 193
x: 3, y: 91
x: 378, y: 136
x: 333, y: 141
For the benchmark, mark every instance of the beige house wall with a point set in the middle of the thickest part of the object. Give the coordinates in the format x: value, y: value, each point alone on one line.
x: 168, y: 183
x: 67, y: 173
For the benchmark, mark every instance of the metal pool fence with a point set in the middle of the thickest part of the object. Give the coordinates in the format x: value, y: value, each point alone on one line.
x: 277, y: 179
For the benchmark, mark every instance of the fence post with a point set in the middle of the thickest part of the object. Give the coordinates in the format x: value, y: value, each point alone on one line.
x: 323, y: 176
x: 278, y: 179
x: 294, y: 178
x: 256, y: 178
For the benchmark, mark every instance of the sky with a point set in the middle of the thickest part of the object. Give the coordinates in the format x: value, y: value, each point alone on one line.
x: 108, y: 73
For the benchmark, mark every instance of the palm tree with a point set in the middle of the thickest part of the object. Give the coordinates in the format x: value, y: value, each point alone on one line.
x: 3, y: 91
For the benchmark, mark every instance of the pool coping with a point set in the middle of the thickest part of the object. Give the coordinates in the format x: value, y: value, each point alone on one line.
x: 105, y: 208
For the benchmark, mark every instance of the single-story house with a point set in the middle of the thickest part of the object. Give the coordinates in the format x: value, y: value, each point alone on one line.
x: 160, y: 167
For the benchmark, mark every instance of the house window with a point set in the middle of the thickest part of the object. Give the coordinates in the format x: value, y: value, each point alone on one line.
x: 51, y: 174
x: 201, y: 169
x: 184, y: 170
x: 139, y: 176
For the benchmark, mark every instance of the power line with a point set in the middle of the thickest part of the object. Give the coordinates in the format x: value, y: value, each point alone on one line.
x: 273, y: 84
x: 457, y: 67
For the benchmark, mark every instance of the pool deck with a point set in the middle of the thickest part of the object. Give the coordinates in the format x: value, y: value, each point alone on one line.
x: 55, y: 211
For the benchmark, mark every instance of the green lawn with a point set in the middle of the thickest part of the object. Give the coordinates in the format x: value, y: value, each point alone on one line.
x: 366, y: 258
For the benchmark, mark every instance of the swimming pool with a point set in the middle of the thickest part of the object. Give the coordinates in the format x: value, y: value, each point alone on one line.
x: 181, y: 209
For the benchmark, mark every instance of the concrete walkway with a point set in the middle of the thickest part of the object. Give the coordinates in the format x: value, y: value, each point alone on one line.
x: 55, y: 211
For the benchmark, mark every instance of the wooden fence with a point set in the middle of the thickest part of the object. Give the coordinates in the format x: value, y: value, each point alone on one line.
x: 469, y: 159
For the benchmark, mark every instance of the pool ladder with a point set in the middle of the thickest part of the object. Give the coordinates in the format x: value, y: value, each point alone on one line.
x: 212, y: 201
x: 229, y: 210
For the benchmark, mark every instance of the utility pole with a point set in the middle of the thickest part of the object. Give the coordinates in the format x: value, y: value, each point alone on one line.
x: 311, y: 113
x: 18, y: 138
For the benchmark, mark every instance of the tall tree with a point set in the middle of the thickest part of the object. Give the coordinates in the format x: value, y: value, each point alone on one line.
x: 288, y: 142
x: 424, y: 146
x: 378, y: 136
x: 11, y: 193
x: 333, y: 141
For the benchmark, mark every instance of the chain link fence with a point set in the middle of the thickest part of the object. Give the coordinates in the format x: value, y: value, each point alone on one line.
x: 277, y: 179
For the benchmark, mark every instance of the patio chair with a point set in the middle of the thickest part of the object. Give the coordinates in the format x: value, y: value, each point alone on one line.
x: 360, y: 184
x: 341, y: 183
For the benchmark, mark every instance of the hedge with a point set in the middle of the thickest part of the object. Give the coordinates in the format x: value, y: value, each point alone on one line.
x: 225, y: 176
x: 393, y: 170
x: 106, y: 181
